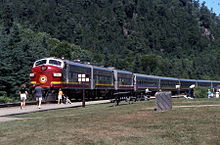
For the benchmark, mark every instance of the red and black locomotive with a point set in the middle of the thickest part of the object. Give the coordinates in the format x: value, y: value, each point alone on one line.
x: 52, y: 74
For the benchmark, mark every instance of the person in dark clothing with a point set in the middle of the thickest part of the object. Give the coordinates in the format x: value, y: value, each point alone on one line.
x: 23, y: 95
x: 38, y: 92
x: 191, y: 92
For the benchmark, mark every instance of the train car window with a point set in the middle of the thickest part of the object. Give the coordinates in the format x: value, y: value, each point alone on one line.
x: 40, y: 62
x: 55, y: 62
x: 204, y: 84
x: 79, y: 69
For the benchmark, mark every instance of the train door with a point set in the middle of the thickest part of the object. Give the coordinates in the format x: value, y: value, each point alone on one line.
x: 135, y: 82
x: 92, y: 81
x: 66, y: 73
x: 116, y: 79
x: 159, y: 84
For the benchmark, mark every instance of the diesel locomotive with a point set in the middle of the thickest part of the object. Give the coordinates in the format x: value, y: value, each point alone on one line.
x: 73, y: 77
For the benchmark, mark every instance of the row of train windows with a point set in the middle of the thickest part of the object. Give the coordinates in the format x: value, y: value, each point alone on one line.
x: 124, y: 81
x: 79, y: 70
x: 107, y: 73
x: 204, y: 85
x: 156, y: 82
x: 169, y: 83
x: 74, y: 77
x: 187, y: 84
x: 127, y: 81
x: 150, y: 82
x: 102, y: 78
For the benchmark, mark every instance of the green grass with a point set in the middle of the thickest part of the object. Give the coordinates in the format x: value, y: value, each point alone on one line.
x: 121, y: 125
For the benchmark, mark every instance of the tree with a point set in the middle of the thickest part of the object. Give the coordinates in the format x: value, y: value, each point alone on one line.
x: 7, y: 18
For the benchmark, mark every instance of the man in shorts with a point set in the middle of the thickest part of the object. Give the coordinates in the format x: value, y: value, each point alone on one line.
x: 38, y: 91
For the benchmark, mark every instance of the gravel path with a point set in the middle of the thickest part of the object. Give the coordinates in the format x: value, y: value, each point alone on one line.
x: 6, y: 113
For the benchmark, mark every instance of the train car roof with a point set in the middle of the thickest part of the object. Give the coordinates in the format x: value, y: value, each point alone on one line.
x: 204, y: 81
x: 190, y: 80
x: 169, y: 78
x: 123, y: 71
x: 102, y: 68
x: 156, y: 77
x: 86, y: 65
x: 77, y: 64
x: 215, y: 81
x: 208, y: 81
x: 147, y: 76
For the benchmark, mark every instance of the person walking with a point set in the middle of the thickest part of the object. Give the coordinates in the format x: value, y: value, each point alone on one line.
x: 38, y: 91
x: 191, y: 94
x: 23, y: 95
x: 209, y: 93
x: 60, y: 95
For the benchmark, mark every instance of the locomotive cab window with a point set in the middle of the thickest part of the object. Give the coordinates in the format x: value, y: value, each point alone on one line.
x: 40, y: 62
x: 55, y: 62
x: 50, y: 61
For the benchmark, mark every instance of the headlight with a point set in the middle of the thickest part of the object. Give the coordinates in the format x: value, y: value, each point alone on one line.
x: 43, y: 67
x: 57, y: 74
x: 31, y: 74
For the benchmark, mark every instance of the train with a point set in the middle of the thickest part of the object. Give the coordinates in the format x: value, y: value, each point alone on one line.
x: 100, y: 82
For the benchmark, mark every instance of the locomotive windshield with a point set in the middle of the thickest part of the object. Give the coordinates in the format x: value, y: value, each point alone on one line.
x: 50, y: 61
x: 55, y: 62
x: 40, y: 62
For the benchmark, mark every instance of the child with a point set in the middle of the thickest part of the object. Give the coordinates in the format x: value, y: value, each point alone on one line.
x: 68, y: 100
x: 60, y: 95
x: 23, y: 95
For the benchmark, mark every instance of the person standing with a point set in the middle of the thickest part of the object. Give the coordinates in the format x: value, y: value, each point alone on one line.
x: 38, y: 91
x: 209, y: 93
x: 217, y: 94
x: 191, y: 94
x: 23, y: 95
x: 60, y: 95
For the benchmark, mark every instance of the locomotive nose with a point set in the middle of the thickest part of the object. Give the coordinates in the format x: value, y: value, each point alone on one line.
x: 43, y: 79
x: 43, y: 67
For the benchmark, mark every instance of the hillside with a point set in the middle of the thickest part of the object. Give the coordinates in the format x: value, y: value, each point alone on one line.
x: 177, y: 38
x: 21, y: 47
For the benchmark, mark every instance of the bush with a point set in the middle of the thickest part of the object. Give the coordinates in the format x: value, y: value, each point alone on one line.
x: 201, y: 92
x: 4, y: 98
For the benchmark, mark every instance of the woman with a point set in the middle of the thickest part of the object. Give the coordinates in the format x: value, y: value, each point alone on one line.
x: 23, y: 95
x: 60, y: 95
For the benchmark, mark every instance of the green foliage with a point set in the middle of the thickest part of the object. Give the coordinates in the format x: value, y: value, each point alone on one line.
x: 3, y: 93
x: 66, y: 50
x: 201, y: 92
x: 4, y: 98
x: 183, y: 35
x: 177, y: 38
x: 152, y: 64
x: 21, y: 47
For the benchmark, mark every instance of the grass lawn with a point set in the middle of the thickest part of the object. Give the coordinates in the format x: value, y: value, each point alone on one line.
x: 121, y: 125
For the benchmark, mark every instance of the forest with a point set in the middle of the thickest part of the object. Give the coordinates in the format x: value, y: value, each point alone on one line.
x: 175, y: 38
